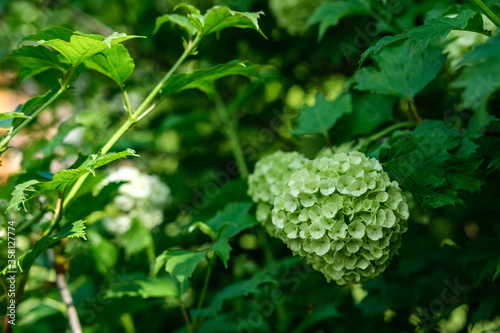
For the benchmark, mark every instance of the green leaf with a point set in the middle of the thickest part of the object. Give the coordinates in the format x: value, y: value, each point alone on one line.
x: 480, y: 79
x: 98, y: 160
x: 242, y: 288
x: 329, y: 14
x: 104, y: 253
x: 115, y: 62
x: 317, y: 315
x: 219, y: 18
x: 24, y: 110
x: 400, y: 73
x: 138, y: 238
x: 419, y: 37
x: 73, y: 230
x: 223, y: 225
x: 30, y: 189
x: 35, y: 60
x: 204, y: 79
x: 424, y: 164
x: 232, y: 220
x: 9, y: 115
x: 368, y: 112
x: 6, y: 118
x: 222, y: 248
x: 21, y: 194
x: 180, y: 264
x: 82, y: 47
x: 323, y: 115
x: 49, y: 34
x: 189, y: 8
x: 143, y: 286
x: 180, y: 20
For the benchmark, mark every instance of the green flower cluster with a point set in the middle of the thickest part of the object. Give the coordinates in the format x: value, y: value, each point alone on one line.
x: 343, y: 214
x: 268, y: 180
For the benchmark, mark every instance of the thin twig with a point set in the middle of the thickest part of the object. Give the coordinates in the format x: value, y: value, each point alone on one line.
x: 328, y: 143
x: 414, y: 110
x: 186, y: 317
x: 202, y: 295
x: 230, y: 130
x: 62, y: 285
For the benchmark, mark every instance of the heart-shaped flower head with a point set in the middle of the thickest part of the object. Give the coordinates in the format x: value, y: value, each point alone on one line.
x: 344, y: 215
x: 268, y: 180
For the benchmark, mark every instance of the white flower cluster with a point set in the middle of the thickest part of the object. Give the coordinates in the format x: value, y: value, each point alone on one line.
x: 142, y: 197
x: 343, y: 214
x: 268, y: 180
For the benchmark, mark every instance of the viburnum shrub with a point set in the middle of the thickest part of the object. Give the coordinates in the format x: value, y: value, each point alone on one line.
x: 343, y: 214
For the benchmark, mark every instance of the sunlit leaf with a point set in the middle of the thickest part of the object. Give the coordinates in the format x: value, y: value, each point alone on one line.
x: 204, y: 79
x: 73, y: 230
x: 115, y: 62
x: 30, y: 189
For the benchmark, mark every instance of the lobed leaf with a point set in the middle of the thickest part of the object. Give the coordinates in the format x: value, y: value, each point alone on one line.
x: 114, y: 62
x: 82, y: 47
x: 400, y: 73
x: 419, y: 37
x: 232, y: 220
x: 323, y: 115
x: 426, y: 164
x: 35, y: 60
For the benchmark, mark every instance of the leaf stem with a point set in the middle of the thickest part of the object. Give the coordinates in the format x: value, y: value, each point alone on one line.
x: 186, y: 317
x: 205, y: 285
x: 203, y: 293
x: 127, y: 103
x: 487, y: 11
x: 327, y: 140
x: 388, y: 130
x: 414, y: 111
x: 152, y: 95
x: 22, y: 287
x: 231, y: 132
x: 57, y: 215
